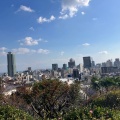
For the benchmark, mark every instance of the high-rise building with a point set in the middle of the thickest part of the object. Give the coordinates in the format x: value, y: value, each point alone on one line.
x: 11, y: 64
x: 80, y: 67
x: 109, y: 63
x: 75, y: 73
x: 87, y: 62
x: 93, y: 63
x: 109, y: 69
x: 117, y: 63
x: 98, y: 65
x: 55, y: 67
x: 29, y: 69
x: 71, y: 63
x: 64, y: 66
x: 104, y: 64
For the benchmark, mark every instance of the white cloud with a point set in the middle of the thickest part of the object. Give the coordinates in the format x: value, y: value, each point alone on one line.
x: 86, y: 44
x: 42, y: 20
x: 71, y: 6
x: 43, y: 51
x: 64, y: 16
x: 103, y: 52
x: 52, y: 18
x: 29, y: 41
x: 83, y: 13
x: 3, y: 48
x: 2, y: 51
x: 33, y: 51
x: 29, y: 51
x: 45, y: 41
x: 25, y: 8
x: 31, y: 28
x: 21, y: 51
x: 62, y: 53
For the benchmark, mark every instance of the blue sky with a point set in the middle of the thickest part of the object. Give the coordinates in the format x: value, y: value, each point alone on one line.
x: 42, y: 32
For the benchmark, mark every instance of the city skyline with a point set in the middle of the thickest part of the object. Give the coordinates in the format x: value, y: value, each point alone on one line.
x: 53, y: 31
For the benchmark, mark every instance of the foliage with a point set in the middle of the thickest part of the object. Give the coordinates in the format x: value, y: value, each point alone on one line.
x: 105, y: 84
x: 96, y: 113
x: 52, y: 98
x: 95, y: 83
x: 10, y: 113
x: 105, y: 107
x: 110, y: 100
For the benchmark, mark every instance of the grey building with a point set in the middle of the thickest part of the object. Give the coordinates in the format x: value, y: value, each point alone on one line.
x: 75, y: 73
x: 87, y: 62
x: 71, y: 63
x: 117, y: 63
x: 55, y: 67
x: 93, y: 63
x: 104, y: 64
x: 109, y: 70
x: 64, y: 66
x: 11, y: 64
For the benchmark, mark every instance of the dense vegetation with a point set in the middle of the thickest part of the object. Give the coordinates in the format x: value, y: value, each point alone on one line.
x: 54, y: 99
x: 10, y: 113
x: 104, y: 107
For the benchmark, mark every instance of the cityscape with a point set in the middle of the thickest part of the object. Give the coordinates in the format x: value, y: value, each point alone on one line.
x: 59, y: 60
x: 14, y: 82
x: 69, y: 72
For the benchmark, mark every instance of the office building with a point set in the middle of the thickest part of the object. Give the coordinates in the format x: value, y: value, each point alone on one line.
x: 11, y: 64
x: 75, y: 73
x: 109, y: 63
x: 55, y: 67
x: 117, y: 63
x: 104, y: 64
x: 29, y: 69
x: 93, y: 63
x: 105, y: 70
x: 87, y: 62
x: 80, y: 67
x: 71, y: 63
x: 64, y: 66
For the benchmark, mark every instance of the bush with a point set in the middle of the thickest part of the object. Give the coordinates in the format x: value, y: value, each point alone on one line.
x: 110, y: 100
x: 10, y: 113
x: 96, y: 113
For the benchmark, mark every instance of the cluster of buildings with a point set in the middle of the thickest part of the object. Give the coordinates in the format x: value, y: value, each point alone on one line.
x: 69, y: 72
x: 73, y: 70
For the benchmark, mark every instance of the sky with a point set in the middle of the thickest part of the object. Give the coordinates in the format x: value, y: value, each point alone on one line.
x: 43, y: 32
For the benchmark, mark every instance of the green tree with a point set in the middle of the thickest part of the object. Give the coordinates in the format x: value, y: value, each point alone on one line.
x: 52, y: 98
x: 107, y: 83
x: 95, y: 83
